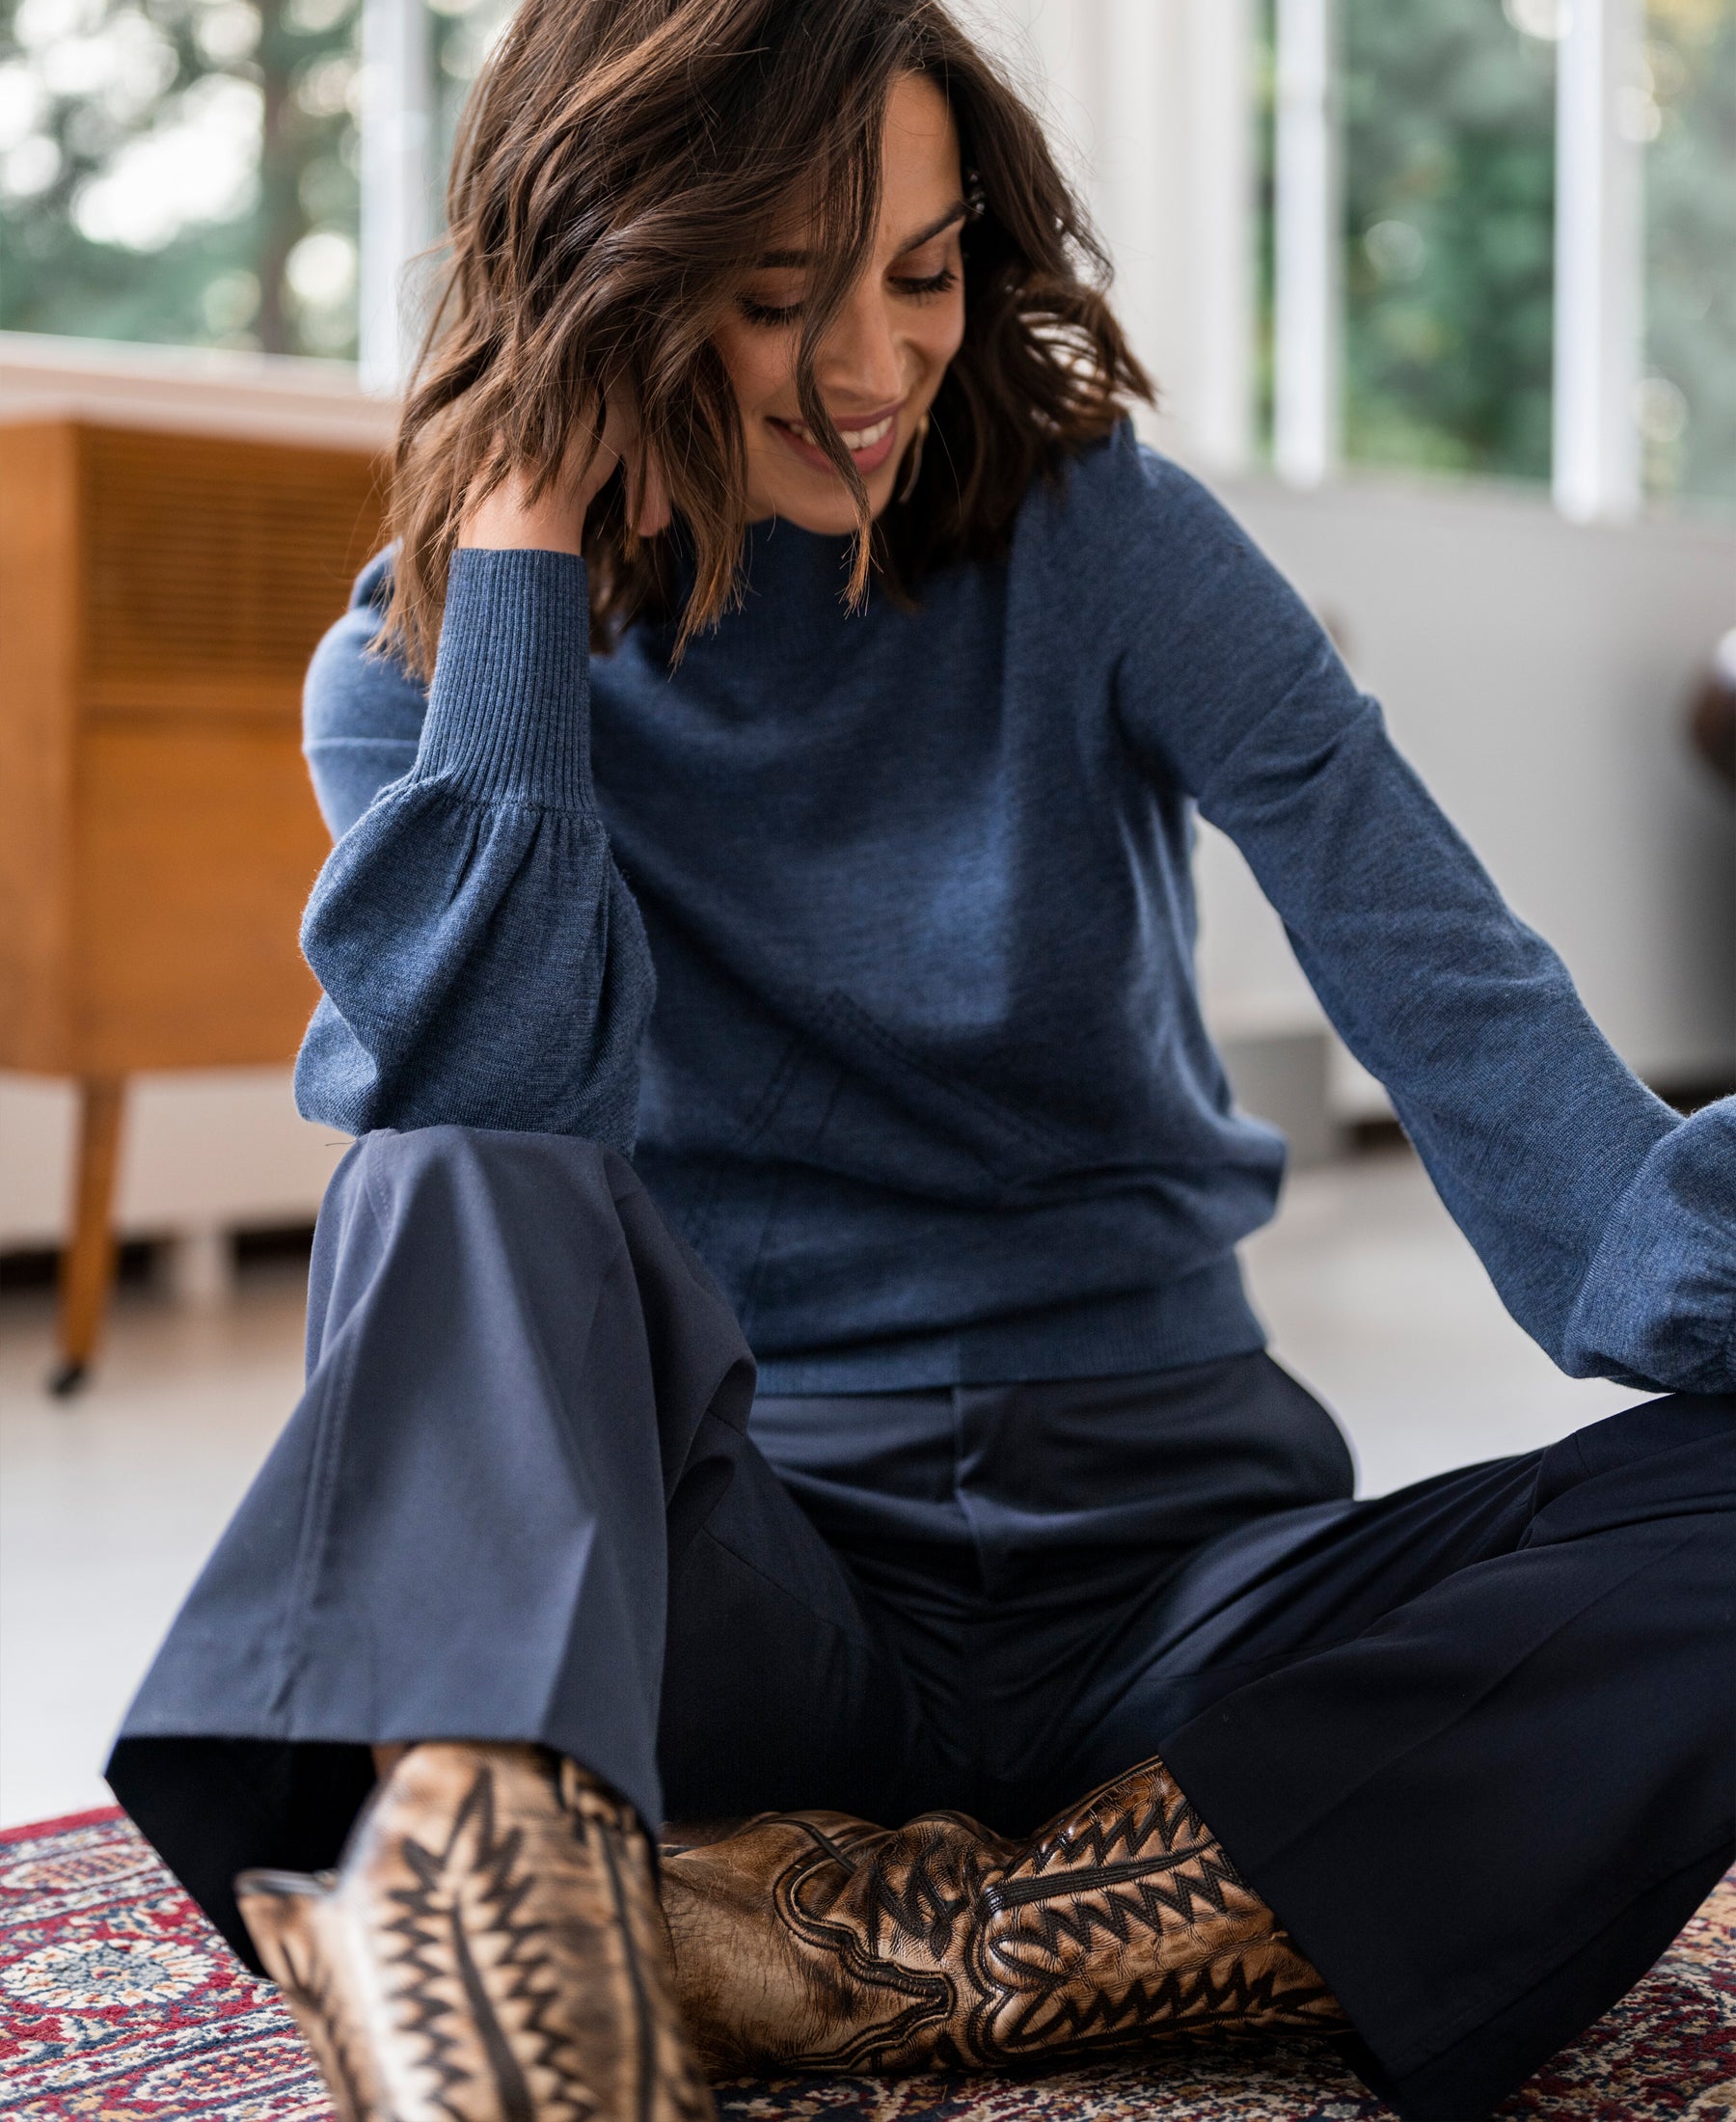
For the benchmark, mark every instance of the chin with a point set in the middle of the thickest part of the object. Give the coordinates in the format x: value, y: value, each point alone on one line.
x: 830, y: 516
x: 825, y: 523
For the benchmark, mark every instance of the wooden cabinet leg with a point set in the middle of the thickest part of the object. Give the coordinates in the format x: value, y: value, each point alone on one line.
x: 88, y: 1263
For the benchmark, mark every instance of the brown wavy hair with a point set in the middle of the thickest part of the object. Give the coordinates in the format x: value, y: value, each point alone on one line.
x: 621, y: 166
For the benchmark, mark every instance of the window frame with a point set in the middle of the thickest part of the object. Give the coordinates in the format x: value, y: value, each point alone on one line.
x: 1599, y: 262
x: 1161, y: 93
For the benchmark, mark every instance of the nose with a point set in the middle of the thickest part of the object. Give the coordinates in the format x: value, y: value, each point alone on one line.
x: 859, y: 363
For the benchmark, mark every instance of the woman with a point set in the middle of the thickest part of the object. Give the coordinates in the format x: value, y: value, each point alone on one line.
x: 908, y: 667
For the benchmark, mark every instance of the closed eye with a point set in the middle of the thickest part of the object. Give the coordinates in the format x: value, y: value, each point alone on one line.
x: 913, y: 286
x: 931, y: 284
x: 768, y: 313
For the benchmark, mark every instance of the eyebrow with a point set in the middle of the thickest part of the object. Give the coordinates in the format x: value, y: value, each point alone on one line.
x: 782, y: 261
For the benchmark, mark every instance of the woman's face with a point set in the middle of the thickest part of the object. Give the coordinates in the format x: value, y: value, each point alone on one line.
x: 881, y: 361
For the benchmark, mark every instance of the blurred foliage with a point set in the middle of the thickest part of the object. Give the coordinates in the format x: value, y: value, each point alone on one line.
x: 185, y: 171
x: 463, y: 33
x: 1686, y: 109
x: 1449, y: 189
x: 181, y: 171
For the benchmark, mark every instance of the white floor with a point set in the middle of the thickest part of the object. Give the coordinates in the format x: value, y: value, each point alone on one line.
x: 109, y: 1503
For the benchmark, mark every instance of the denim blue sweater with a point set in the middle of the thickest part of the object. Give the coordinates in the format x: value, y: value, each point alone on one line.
x: 871, y: 938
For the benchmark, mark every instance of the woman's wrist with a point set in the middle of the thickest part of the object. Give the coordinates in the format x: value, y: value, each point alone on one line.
x: 510, y: 518
x: 507, y: 521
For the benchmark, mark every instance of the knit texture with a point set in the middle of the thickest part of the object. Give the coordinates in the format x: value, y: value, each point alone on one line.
x: 513, y: 728
x: 921, y: 1072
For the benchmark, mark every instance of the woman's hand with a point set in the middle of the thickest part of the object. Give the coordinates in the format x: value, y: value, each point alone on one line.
x: 553, y: 522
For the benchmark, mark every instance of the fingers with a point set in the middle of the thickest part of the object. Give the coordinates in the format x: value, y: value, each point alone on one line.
x: 648, y: 510
x: 590, y: 459
x: 511, y: 514
x: 648, y: 507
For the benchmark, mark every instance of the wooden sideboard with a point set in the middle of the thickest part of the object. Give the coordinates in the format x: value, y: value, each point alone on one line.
x: 160, y: 594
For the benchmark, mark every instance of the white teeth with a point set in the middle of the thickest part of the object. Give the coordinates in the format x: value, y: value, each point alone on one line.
x: 853, y: 438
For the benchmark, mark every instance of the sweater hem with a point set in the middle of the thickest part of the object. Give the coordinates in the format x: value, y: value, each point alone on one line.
x: 1202, y: 1317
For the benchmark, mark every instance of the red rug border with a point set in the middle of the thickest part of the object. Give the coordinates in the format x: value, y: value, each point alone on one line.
x: 61, y: 1824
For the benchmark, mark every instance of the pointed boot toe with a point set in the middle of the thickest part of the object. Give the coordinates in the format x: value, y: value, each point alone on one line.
x: 290, y: 1918
x: 490, y: 1949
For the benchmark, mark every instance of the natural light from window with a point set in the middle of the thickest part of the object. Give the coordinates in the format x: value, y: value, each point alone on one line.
x: 195, y: 171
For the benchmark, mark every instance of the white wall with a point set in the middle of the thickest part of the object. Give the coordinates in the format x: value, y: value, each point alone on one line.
x: 201, y: 1151
x: 1539, y: 674
x: 1536, y: 671
x: 1149, y: 103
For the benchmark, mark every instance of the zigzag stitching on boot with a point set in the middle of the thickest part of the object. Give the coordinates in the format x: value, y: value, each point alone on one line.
x: 419, y: 1931
x: 1131, y: 1830
x: 923, y: 1904
x: 1060, y: 2020
x: 594, y: 1812
x: 1142, y: 1871
x: 534, y: 1983
x: 1041, y: 1938
x: 645, y: 2045
x: 1005, y: 1894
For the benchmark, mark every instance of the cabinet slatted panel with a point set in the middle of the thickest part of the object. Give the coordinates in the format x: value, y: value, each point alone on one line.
x: 211, y: 557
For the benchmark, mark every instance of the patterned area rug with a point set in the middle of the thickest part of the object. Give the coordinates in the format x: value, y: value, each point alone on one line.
x: 117, y: 2003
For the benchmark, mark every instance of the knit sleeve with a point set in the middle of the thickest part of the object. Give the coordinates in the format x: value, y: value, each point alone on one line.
x: 482, y: 962
x: 1606, y: 1222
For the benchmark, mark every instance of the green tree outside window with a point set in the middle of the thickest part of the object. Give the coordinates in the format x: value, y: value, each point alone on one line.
x: 1683, y: 109
x: 1449, y: 189
x: 180, y: 171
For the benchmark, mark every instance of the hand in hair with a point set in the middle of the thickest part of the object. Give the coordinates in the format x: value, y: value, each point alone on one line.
x: 513, y: 512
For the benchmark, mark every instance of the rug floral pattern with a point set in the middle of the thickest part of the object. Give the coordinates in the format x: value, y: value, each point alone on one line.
x: 117, y: 2003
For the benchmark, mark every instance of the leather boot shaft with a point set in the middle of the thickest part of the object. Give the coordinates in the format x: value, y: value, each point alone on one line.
x: 491, y: 1949
x: 810, y: 1941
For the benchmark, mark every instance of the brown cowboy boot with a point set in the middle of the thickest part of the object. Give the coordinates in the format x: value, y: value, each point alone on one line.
x: 809, y: 1941
x: 490, y: 1949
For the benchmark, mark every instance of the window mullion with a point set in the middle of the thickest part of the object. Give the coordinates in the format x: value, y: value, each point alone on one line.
x: 1307, y: 268
x: 1599, y: 262
x: 1220, y: 69
x: 396, y: 179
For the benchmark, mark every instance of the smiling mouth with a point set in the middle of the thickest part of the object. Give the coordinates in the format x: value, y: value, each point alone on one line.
x: 870, y: 441
x: 854, y: 439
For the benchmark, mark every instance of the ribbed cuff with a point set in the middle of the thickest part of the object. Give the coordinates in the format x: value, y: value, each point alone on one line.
x: 1656, y: 1308
x: 509, y: 712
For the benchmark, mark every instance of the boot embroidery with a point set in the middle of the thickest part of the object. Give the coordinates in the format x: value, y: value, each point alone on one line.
x: 813, y: 1941
x: 491, y: 1945
x: 475, y: 1874
x: 644, y: 2036
x: 307, y: 1982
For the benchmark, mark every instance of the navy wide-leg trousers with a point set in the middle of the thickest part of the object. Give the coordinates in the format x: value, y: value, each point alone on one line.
x: 1475, y: 1742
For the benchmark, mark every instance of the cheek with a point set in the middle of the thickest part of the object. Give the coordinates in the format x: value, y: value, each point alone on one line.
x: 942, y: 333
x: 756, y: 362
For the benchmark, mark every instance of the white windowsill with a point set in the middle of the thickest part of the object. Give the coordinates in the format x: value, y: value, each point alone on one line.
x: 208, y: 388
x: 1420, y: 493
